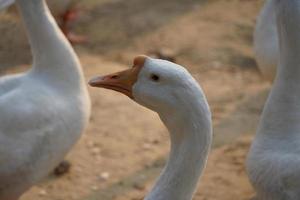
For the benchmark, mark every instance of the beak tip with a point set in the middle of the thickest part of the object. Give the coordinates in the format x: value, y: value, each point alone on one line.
x: 91, y: 84
x: 93, y: 81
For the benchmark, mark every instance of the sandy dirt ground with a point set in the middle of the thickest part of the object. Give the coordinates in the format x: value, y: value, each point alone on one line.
x: 125, y: 145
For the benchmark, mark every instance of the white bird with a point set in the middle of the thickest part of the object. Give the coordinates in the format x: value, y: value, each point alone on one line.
x: 171, y: 91
x: 274, y: 158
x: 42, y: 111
x: 266, y: 44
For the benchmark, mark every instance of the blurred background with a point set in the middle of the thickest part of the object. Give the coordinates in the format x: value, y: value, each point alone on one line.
x: 125, y: 145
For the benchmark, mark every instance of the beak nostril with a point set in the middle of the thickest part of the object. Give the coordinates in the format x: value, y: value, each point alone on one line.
x: 114, y: 77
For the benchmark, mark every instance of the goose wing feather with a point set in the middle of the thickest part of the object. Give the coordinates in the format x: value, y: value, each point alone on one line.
x: 34, y: 118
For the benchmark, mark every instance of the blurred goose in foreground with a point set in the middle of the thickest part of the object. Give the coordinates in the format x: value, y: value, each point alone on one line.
x: 266, y: 44
x: 171, y: 91
x: 274, y: 157
x: 42, y: 111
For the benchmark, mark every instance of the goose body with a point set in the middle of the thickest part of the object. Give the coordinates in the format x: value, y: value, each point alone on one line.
x: 170, y: 90
x: 274, y: 158
x: 266, y: 44
x: 42, y: 111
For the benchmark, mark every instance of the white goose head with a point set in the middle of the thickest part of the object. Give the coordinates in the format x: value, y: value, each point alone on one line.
x: 159, y: 85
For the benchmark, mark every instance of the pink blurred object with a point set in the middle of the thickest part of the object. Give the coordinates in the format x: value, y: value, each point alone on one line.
x: 66, y: 12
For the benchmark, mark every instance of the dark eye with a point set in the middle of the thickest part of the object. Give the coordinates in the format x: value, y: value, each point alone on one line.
x: 154, y: 77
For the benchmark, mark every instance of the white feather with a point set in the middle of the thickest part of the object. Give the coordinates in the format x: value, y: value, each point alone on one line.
x: 274, y: 158
x: 182, y: 106
x: 266, y: 44
x: 43, y: 111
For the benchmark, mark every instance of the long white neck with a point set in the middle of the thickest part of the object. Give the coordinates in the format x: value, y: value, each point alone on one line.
x: 53, y: 56
x: 266, y: 45
x: 191, y: 137
x: 282, y: 111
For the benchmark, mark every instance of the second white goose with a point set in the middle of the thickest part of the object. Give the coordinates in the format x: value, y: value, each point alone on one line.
x: 274, y: 159
x: 42, y: 111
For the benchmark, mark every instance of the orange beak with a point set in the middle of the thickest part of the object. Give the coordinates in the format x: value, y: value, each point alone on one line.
x: 121, y: 81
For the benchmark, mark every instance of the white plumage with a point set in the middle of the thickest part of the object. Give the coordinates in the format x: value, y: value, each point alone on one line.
x: 42, y: 111
x: 171, y: 91
x: 274, y: 158
x: 266, y: 44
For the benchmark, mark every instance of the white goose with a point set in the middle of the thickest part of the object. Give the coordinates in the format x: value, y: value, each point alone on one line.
x: 170, y: 90
x: 43, y: 111
x: 274, y: 157
x: 266, y: 44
